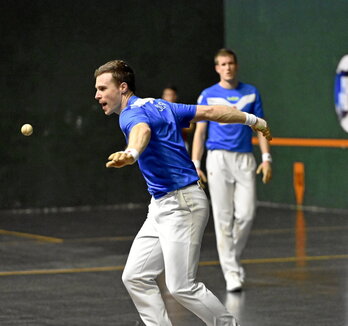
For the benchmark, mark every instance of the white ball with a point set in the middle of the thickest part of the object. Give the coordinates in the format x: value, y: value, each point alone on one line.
x: 27, y: 129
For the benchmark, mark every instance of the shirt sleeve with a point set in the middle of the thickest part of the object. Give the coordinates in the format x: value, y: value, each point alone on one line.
x: 202, y: 99
x: 184, y: 113
x: 131, y: 117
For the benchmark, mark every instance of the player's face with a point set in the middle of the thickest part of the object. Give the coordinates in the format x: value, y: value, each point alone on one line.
x: 169, y: 95
x: 108, y: 94
x: 227, y: 68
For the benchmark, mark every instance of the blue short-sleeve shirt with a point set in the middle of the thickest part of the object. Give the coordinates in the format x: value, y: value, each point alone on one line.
x: 165, y: 163
x: 231, y: 137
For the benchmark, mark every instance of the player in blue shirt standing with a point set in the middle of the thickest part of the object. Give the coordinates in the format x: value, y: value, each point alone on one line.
x: 170, y: 238
x: 231, y: 165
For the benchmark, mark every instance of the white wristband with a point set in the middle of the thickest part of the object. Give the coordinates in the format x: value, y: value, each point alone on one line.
x: 132, y: 152
x: 250, y: 119
x: 197, y: 164
x: 266, y: 157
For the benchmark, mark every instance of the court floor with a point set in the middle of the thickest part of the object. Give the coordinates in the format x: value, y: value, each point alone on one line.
x: 63, y: 267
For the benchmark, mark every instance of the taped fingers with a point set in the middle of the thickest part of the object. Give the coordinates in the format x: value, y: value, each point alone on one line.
x: 265, y: 130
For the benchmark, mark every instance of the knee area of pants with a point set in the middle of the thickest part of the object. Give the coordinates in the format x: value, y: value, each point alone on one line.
x: 128, y: 278
x: 176, y: 293
x: 132, y: 281
x: 226, y: 230
x: 179, y: 292
x: 244, y: 220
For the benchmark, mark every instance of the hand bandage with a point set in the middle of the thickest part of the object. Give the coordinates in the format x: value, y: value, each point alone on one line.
x: 254, y: 121
x: 250, y: 119
x: 132, y: 152
x: 197, y: 164
x: 266, y: 157
x: 260, y: 124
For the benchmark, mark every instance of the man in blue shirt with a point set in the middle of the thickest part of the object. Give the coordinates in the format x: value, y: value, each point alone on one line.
x: 170, y: 238
x: 231, y: 165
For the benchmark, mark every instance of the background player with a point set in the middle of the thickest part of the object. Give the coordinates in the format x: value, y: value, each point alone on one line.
x: 231, y: 165
x: 170, y: 94
x: 170, y: 237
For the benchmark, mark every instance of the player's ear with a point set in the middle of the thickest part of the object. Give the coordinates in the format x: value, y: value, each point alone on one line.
x: 217, y: 68
x: 124, y: 87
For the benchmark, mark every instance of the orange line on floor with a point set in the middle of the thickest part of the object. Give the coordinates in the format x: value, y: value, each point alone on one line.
x: 306, y: 142
x: 31, y: 236
x: 63, y: 271
x: 203, y: 263
x: 278, y: 260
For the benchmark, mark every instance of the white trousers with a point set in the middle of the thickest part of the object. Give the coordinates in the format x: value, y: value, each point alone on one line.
x: 231, y: 180
x: 170, y: 239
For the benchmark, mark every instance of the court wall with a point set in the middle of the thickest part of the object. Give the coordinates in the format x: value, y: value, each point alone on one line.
x: 49, y: 51
x: 290, y: 51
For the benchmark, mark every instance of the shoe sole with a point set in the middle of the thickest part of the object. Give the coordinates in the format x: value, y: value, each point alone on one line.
x: 235, y: 289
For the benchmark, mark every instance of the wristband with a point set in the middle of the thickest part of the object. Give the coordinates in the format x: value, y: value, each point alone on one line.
x: 250, y: 119
x: 132, y: 152
x: 197, y: 164
x: 266, y: 157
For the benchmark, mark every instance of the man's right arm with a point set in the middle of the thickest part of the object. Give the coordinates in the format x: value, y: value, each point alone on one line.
x: 138, y: 140
x: 198, y: 141
x: 198, y: 148
x: 228, y: 114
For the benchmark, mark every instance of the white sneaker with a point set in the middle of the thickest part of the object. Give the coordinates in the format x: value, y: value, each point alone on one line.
x: 241, y: 274
x: 233, y: 282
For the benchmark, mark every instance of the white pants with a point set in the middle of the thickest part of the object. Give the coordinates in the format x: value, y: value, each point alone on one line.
x: 231, y: 180
x: 170, y: 239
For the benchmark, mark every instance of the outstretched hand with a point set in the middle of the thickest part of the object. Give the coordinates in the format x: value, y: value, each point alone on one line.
x: 261, y: 125
x: 120, y: 159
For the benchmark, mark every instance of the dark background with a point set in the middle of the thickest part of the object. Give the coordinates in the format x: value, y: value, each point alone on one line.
x: 49, y: 51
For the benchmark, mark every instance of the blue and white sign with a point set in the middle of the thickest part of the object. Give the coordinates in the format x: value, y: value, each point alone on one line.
x: 341, y: 92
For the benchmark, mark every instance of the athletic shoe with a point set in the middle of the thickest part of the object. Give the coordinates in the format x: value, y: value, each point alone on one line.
x: 241, y: 274
x: 233, y: 282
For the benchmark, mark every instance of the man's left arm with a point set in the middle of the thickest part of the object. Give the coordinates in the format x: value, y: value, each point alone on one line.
x: 138, y: 140
x: 266, y: 166
x: 228, y: 114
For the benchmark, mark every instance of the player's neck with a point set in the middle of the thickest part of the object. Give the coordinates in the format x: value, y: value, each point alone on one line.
x: 229, y: 84
x: 125, y: 99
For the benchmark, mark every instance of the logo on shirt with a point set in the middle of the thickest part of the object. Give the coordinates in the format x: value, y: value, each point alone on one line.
x: 160, y: 106
x: 233, y: 98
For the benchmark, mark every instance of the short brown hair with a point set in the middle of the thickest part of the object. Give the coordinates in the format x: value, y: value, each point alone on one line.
x: 121, y: 73
x: 225, y: 53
